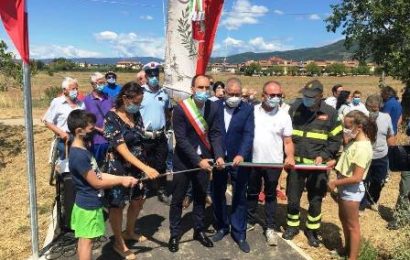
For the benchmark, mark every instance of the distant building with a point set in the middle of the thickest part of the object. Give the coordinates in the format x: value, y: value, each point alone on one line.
x: 129, y: 65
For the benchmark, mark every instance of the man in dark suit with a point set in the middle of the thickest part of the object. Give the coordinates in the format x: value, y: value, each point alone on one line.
x: 238, y: 122
x: 193, y: 149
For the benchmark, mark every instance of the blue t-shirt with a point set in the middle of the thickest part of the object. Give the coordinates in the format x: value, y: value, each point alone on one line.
x: 153, y: 108
x: 112, y: 90
x: 80, y: 162
x: 393, y: 108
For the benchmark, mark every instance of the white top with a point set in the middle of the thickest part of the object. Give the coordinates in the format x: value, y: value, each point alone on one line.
x: 59, y: 110
x: 360, y: 107
x: 384, y: 131
x: 228, y: 112
x: 270, y: 129
x: 331, y: 101
x: 285, y: 107
x: 213, y: 98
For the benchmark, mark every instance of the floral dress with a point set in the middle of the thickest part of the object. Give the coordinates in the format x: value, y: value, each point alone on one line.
x: 117, y: 132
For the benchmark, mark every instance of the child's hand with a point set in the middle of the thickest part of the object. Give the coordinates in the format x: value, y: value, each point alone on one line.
x: 129, y: 181
x: 331, y: 163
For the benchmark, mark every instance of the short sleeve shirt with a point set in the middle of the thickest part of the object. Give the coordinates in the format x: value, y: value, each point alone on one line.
x: 59, y: 110
x: 384, y: 130
x: 394, y: 109
x: 153, y: 108
x: 357, y: 153
x: 81, y: 162
x: 331, y: 101
x: 270, y: 129
x: 112, y: 91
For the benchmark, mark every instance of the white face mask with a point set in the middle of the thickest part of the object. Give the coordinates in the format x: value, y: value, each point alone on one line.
x: 348, y: 133
x: 233, y: 101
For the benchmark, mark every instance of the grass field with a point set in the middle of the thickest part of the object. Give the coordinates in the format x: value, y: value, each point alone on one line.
x: 14, y: 219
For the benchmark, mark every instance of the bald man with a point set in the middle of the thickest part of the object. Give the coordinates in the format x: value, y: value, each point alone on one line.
x: 273, y: 130
x: 140, y: 78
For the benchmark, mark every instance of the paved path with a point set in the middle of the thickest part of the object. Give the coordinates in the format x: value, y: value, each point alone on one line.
x: 153, y: 223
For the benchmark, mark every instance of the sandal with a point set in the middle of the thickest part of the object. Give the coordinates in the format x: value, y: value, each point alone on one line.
x: 128, y: 255
x: 138, y: 237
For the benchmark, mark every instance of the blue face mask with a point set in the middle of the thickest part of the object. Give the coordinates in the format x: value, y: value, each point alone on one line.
x: 273, y: 102
x: 201, y: 96
x: 99, y: 87
x: 356, y: 101
x: 309, y: 102
x: 132, y: 108
x: 73, y: 94
x: 153, y: 81
x: 111, y: 81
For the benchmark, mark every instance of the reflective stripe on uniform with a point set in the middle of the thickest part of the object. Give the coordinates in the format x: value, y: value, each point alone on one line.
x: 304, y: 160
x: 336, y: 130
x: 294, y: 217
x: 314, y: 219
x: 316, y: 136
x: 297, y: 132
x: 313, y: 226
x: 293, y: 223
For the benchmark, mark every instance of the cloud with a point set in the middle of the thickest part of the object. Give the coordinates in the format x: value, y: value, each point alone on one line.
x: 278, y: 12
x: 146, y: 17
x: 231, y: 46
x: 314, y: 17
x: 243, y: 13
x: 131, y: 44
x: 56, y: 51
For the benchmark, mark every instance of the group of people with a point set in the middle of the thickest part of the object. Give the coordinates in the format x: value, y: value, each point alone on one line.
x: 125, y: 131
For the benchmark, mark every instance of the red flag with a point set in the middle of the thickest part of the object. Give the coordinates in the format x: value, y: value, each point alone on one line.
x: 213, y: 9
x: 14, y: 17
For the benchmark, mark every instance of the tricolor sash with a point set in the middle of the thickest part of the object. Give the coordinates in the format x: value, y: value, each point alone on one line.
x: 197, y: 121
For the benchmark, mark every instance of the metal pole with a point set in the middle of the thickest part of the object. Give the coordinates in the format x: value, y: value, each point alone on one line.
x: 31, y: 171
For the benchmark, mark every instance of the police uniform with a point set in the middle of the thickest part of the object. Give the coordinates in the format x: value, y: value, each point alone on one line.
x: 154, y: 108
x: 316, y: 133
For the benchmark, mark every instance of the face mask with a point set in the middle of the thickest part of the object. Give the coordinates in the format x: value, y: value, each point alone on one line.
x: 356, y: 101
x: 73, y: 94
x: 373, y: 114
x: 132, y: 108
x: 348, y: 133
x: 111, y: 81
x: 153, y: 81
x: 273, y: 102
x: 201, y: 96
x: 309, y: 102
x: 251, y: 97
x: 233, y: 101
x: 99, y: 87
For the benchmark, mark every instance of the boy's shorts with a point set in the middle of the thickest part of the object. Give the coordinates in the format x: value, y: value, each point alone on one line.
x: 87, y: 223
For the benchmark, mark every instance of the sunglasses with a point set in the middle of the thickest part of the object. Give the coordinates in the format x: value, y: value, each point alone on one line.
x: 273, y: 95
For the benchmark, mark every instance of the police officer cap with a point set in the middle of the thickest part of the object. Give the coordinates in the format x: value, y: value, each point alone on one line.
x: 152, y: 68
x: 313, y: 88
x: 110, y: 73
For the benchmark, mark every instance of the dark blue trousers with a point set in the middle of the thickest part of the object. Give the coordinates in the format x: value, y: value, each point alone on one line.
x: 236, y: 219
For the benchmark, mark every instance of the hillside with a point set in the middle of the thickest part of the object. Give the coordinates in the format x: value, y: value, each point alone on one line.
x: 334, y: 51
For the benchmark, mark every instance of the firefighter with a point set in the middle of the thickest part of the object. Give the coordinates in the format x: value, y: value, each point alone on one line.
x: 317, y: 135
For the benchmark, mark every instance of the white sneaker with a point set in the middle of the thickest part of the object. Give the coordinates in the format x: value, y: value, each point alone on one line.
x: 271, y: 237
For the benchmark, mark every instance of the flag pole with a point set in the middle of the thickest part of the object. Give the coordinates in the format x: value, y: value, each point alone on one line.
x: 31, y: 171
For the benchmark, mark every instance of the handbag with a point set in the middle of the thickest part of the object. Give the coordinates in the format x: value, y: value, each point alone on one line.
x: 62, y: 166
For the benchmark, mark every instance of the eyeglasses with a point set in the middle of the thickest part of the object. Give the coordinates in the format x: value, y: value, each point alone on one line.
x: 273, y: 95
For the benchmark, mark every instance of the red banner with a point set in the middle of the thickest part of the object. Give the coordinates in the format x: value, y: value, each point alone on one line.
x: 14, y: 17
x: 213, y: 10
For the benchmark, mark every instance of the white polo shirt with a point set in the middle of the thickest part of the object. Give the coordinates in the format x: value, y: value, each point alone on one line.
x: 270, y: 129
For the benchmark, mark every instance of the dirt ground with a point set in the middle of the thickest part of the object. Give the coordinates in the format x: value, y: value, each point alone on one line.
x: 14, y: 217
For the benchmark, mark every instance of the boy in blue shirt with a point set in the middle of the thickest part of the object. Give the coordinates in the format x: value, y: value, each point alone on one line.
x: 87, y: 219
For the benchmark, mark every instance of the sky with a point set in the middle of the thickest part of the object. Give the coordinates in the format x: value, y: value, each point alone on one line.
x: 127, y: 28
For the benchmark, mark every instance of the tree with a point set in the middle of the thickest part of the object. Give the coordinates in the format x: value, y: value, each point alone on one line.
x: 336, y: 69
x: 292, y: 70
x: 381, y: 31
x: 253, y: 68
x: 313, y: 69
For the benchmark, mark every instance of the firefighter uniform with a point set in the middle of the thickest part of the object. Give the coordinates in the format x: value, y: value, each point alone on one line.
x: 316, y: 133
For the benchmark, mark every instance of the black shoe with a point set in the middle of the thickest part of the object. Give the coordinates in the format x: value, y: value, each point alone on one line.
x: 164, y: 198
x: 203, y: 239
x: 244, y: 246
x: 313, y: 240
x: 393, y: 225
x: 290, y: 233
x: 173, y: 244
x: 219, y: 235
